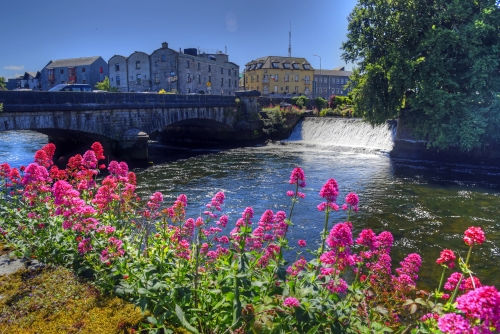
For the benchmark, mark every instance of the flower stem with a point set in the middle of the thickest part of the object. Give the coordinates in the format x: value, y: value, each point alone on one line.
x: 440, y: 284
x: 461, y: 277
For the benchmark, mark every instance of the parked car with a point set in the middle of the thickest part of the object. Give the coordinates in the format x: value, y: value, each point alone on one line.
x: 71, y: 88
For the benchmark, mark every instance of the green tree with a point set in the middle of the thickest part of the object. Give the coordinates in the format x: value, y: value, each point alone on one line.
x: 105, y: 85
x: 438, y: 61
x: 3, y: 85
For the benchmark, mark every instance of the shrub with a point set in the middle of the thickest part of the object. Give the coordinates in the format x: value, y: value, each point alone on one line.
x: 320, y: 103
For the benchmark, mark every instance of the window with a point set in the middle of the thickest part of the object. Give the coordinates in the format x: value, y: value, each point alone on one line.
x: 296, y: 90
x: 118, y: 80
x: 209, y: 68
x: 229, y: 82
x: 296, y: 78
x: 221, y: 82
x: 286, y: 88
x: 257, y: 78
x: 84, y: 81
x: 157, y: 77
x: 117, y: 67
x: 253, y: 66
x: 234, y: 72
x: 259, y: 65
x: 138, y: 79
x: 187, y: 63
x: 172, y: 73
x: 275, y: 89
x: 228, y: 71
x: 276, y: 65
x: 197, y: 66
x: 338, y: 90
x: 324, y: 91
x: 247, y: 67
x: 83, y: 69
x: 138, y: 64
x: 281, y: 88
x: 165, y: 74
x: 172, y: 64
x: 306, y: 66
x: 295, y: 66
x: 210, y: 78
x: 61, y: 71
x: 251, y: 78
x: 163, y: 58
x: 199, y: 78
x: 221, y: 70
x: 276, y: 78
x: 306, y: 79
x: 50, y: 74
x: 286, y: 65
x: 235, y: 82
x: 337, y: 81
x: 287, y: 78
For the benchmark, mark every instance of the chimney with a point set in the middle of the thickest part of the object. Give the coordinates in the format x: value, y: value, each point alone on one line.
x: 164, y: 45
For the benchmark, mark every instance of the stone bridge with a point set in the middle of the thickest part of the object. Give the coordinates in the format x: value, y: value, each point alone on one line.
x: 124, y: 121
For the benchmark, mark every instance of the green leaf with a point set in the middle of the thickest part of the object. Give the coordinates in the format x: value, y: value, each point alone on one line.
x: 182, y: 319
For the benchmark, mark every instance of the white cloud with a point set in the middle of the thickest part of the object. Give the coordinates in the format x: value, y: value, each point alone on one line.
x: 14, y: 67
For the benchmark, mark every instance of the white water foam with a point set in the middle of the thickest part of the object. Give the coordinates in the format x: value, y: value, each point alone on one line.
x: 347, y: 132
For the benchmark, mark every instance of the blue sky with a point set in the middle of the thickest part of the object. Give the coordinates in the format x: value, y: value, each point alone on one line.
x: 34, y: 32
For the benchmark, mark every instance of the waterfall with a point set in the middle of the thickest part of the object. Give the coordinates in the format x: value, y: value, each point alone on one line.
x: 347, y: 132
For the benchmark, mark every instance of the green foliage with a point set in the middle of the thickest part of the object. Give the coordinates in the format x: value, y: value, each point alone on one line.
x: 3, y: 85
x: 1, y: 107
x: 300, y: 101
x: 105, y: 85
x: 439, y: 59
x: 275, y: 122
x: 320, y: 103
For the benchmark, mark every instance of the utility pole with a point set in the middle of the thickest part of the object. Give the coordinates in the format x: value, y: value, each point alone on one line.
x: 290, y: 40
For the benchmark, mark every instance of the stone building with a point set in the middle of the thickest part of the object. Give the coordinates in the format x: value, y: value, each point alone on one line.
x: 272, y: 75
x: 330, y: 82
x: 30, y: 80
x: 174, y: 71
x: 84, y: 70
x: 118, y: 72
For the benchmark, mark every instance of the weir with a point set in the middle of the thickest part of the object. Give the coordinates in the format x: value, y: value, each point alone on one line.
x: 348, y: 132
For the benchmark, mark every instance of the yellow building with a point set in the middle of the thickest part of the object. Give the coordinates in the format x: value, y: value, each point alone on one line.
x: 279, y: 75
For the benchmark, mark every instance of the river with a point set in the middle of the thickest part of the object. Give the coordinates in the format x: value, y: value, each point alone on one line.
x: 426, y: 205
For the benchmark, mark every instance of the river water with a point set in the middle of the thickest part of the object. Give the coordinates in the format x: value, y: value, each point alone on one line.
x: 426, y: 205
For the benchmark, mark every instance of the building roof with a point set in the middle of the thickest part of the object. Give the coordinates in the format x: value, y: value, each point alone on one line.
x: 338, y: 71
x: 70, y: 62
x: 34, y: 75
x: 268, y: 60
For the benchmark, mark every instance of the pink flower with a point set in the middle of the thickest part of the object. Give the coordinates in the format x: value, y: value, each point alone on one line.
x: 368, y: 239
x: 291, y: 302
x: 385, y: 240
x: 352, y: 199
x: 447, y: 258
x: 340, y: 235
x: 453, y: 323
x: 474, y: 236
x: 84, y: 246
x: 482, y: 304
x: 290, y: 193
x: 452, y: 282
x: 337, y: 286
x: 302, y: 243
x: 472, y: 283
x: 298, y: 177
x: 330, y: 190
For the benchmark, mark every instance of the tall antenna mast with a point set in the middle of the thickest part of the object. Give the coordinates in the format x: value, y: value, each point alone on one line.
x: 290, y: 40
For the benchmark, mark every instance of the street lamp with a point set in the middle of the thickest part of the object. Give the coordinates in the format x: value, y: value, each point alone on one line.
x: 319, y: 72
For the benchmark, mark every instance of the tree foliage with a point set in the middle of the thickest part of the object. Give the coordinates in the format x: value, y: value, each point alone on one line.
x: 3, y: 85
x: 437, y: 61
x: 106, y: 85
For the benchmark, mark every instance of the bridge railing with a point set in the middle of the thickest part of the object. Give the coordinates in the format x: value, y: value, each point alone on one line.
x: 28, y: 101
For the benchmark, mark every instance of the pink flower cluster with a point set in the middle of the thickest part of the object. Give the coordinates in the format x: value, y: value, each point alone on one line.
x: 447, y: 258
x: 474, y: 236
x: 481, y: 313
x: 291, y: 302
x: 297, y: 177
